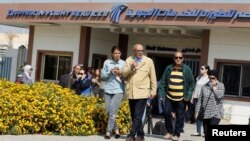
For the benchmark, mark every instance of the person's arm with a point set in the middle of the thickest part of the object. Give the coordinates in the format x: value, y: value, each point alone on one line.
x: 153, y: 84
x: 105, y: 72
x: 191, y: 85
x: 219, y: 91
x: 84, y: 84
x: 199, y: 102
x: 127, y: 70
x: 163, y: 83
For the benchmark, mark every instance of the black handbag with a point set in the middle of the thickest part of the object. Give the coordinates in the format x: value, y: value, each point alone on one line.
x: 202, y: 110
x: 201, y: 114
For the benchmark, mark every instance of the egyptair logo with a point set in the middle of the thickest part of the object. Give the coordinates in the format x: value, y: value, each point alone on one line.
x: 116, y: 12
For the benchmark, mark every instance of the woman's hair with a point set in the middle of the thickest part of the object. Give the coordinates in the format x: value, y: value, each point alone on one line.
x: 95, y: 72
x: 213, y: 73
x: 206, y: 67
x: 115, y: 48
x: 85, y: 71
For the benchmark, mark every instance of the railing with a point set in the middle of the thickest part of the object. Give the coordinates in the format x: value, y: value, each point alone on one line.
x: 5, y: 67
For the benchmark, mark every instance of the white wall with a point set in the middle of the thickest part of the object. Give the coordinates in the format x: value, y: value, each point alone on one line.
x: 101, y: 42
x: 236, y: 112
x: 56, y: 38
x: 178, y: 43
x: 233, y: 44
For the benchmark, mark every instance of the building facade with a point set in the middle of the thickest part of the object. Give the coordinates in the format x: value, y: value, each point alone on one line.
x: 64, y: 34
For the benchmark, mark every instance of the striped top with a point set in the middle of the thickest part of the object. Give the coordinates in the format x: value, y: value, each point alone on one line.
x: 175, y: 87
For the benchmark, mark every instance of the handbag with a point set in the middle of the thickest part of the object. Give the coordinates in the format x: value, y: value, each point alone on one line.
x: 201, y: 114
x: 202, y: 110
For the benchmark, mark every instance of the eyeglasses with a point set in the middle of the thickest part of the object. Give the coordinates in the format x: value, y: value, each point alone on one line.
x: 139, y: 51
x: 180, y: 58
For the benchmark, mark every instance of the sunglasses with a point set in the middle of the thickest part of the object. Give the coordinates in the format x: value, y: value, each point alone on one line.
x: 180, y: 58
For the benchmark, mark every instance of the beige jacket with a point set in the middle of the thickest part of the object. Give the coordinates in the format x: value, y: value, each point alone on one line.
x: 141, y: 81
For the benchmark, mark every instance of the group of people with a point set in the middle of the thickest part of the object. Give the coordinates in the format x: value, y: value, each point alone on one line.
x: 84, y: 81
x: 176, y: 88
x: 135, y: 79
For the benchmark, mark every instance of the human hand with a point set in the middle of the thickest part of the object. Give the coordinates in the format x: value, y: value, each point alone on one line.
x: 196, y: 116
x: 186, y: 100
x: 151, y: 96
x: 94, y: 80
x: 134, y: 64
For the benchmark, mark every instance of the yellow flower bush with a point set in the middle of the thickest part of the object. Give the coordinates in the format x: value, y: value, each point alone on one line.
x: 46, y: 108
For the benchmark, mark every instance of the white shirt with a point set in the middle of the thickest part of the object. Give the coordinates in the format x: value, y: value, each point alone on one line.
x: 200, y: 82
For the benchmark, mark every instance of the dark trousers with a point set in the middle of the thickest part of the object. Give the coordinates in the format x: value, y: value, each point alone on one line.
x: 137, y: 107
x: 207, y: 122
x: 191, y: 111
x: 178, y: 107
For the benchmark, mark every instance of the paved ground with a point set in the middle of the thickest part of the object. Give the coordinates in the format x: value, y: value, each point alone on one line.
x: 189, y: 129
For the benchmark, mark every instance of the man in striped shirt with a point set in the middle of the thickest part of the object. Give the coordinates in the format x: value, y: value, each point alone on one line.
x: 176, y: 87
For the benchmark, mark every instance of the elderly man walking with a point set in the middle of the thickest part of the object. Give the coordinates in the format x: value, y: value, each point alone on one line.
x: 141, y: 86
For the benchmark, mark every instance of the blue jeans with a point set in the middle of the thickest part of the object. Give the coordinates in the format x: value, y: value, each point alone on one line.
x: 112, y: 102
x: 178, y: 107
x: 198, y: 122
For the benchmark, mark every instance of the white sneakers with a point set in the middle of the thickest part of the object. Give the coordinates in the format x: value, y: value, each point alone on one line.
x: 175, y: 138
x: 169, y: 136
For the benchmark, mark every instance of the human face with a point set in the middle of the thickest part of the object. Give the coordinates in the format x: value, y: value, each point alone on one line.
x: 30, y: 72
x: 213, y: 80
x: 77, y: 69
x: 97, y: 72
x: 138, y: 50
x: 178, y: 58
x: 116, y: 55
x: 81, y: 72
x: 203, y: 70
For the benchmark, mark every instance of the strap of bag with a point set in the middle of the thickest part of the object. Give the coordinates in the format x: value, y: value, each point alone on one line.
x: 207, y: 100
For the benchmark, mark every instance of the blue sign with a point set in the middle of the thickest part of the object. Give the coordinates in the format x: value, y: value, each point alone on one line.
x: 118, y: 9
x: 211, y: 14
x: 116, y: 12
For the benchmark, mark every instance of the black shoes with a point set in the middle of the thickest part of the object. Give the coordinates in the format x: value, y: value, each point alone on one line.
x: 117, y: 133
x: 108, y: 135
x: 139, y: 138
x: 130, y: 138
x: 117, y: 136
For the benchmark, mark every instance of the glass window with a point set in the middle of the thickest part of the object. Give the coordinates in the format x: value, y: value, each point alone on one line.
x: 231, y: 79
x: 55, y: 66
x: 246, y: 81
x: 236, y: 79
x: 98, y: 60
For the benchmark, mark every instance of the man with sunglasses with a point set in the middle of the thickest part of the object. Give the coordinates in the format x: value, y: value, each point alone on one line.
x: 175, y: 88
